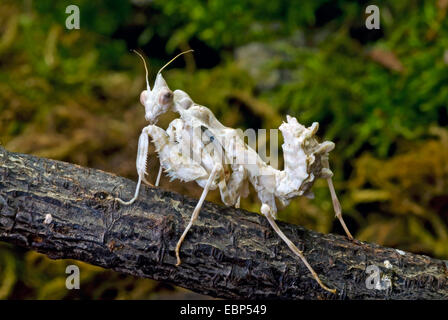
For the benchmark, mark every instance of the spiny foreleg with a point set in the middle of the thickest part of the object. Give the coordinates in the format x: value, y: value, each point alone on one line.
x: 142, y: 155
x: 160, y: 139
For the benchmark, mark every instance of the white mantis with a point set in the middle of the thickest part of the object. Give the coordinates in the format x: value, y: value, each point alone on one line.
x: 218, y: 157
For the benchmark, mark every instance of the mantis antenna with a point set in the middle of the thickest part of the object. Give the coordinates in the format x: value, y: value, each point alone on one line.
x: 191, y: 50
x: 146, y: 69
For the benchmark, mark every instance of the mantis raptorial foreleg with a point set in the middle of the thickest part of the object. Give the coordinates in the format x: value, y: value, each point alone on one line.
x: 137, y: 189
x: 147, y: 182
x: 265, y: 210
x: 142, y: 155
x: 194, y: 216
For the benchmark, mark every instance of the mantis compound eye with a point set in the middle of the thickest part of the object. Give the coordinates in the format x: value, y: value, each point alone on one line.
x: 165, y: 98
x: 143, y: 96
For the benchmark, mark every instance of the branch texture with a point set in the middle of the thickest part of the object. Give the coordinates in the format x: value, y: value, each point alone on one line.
x: 228, y: 253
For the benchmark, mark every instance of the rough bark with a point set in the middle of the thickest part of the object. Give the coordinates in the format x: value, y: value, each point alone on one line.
x: 228, y: 253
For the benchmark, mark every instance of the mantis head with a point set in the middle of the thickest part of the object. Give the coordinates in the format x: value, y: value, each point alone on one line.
x: 159, y: 100
x: 156, y: 101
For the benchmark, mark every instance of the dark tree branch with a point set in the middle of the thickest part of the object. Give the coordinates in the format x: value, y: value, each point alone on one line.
x: 228, y: 253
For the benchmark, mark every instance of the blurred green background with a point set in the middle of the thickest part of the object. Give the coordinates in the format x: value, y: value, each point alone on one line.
x: 380, y: 95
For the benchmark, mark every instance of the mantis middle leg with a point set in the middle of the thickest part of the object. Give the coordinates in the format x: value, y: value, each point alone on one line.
x: 216, y: 169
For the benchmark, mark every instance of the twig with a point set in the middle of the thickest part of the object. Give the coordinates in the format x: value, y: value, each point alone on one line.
x: 230, y: 253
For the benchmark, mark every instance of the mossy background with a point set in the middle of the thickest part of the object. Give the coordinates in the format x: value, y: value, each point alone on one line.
x: 381, y: 95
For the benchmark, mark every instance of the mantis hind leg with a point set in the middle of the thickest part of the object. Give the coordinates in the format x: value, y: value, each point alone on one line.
x: 337, y: 207
x: 265, y: 210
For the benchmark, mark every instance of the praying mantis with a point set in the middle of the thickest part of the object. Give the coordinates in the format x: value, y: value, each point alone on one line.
x: 218, y: 157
